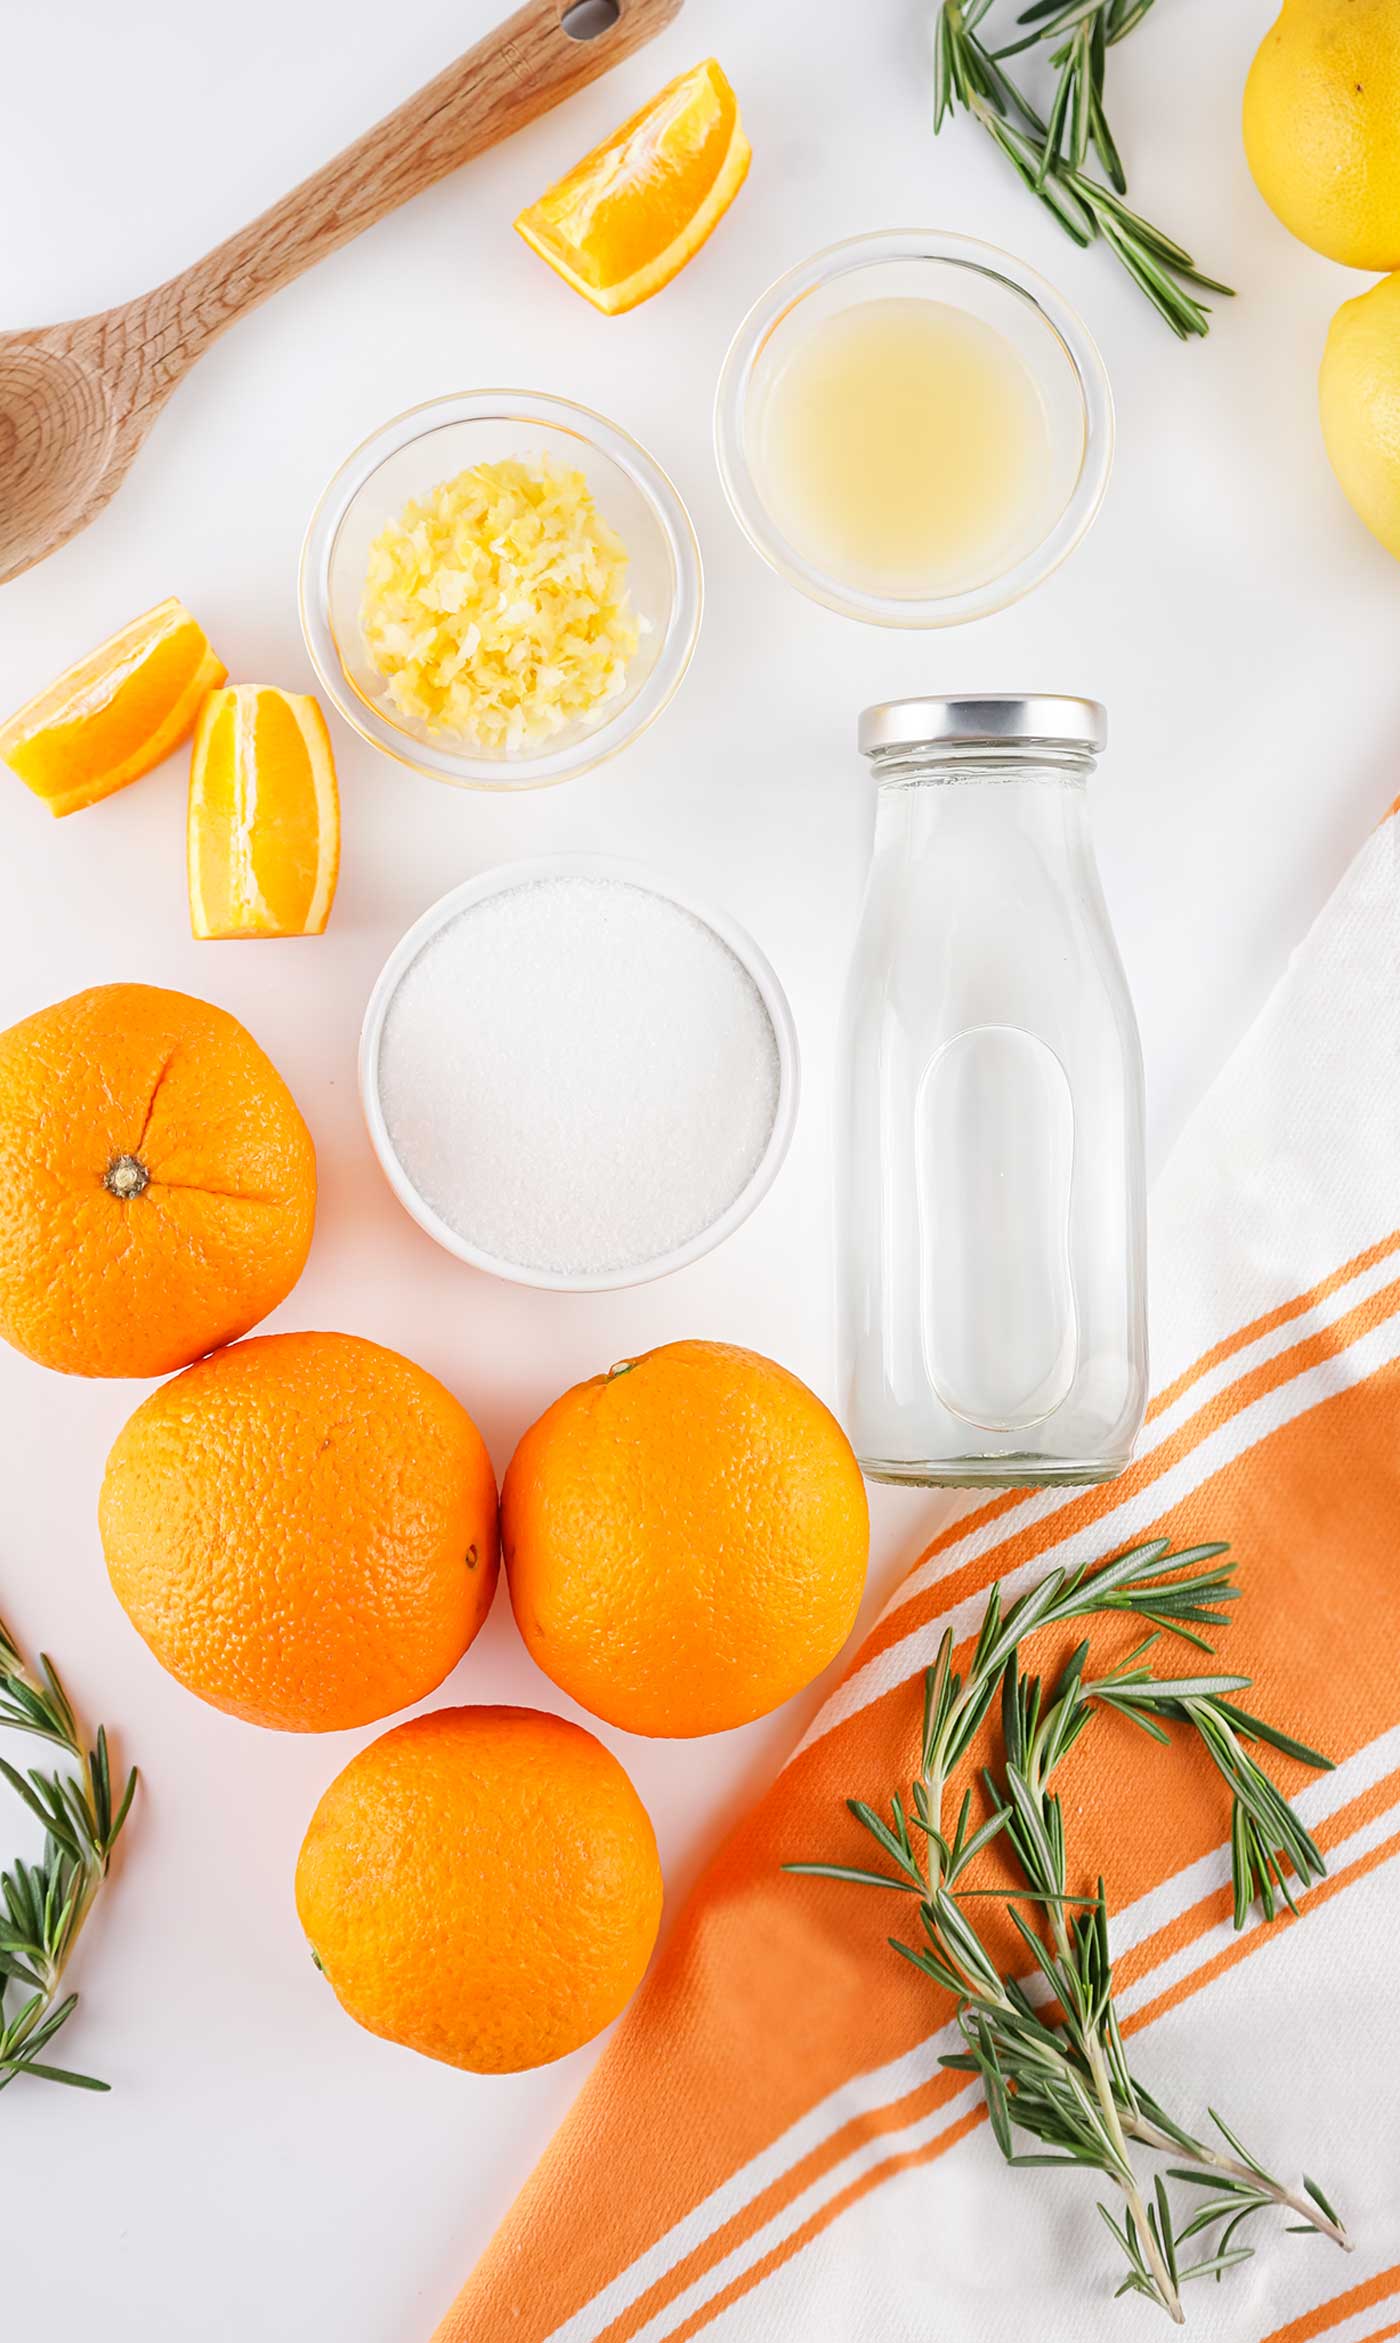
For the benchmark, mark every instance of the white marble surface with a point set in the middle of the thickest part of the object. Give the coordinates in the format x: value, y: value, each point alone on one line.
x: 261, y: 2167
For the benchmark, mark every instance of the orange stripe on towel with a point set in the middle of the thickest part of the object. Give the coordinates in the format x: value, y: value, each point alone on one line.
x: 907, y: 2161
x: 1232, y: 1954
x: 1342, y: 2306
x: 1259, y: 1327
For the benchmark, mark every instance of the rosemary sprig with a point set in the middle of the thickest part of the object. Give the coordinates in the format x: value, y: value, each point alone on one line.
x: 1054, y: 2066
x: 44, y: 1905
x: 1050, y: 154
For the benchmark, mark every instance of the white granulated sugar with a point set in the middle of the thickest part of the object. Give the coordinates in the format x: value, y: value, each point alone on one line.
x: 578, y: 1075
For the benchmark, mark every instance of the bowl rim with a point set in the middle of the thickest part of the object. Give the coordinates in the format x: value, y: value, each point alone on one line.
x: 880, y: 248
x: 503, y: 878
x: 505, y: 405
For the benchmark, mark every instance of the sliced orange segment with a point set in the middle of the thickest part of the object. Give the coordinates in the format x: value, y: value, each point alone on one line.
x: 629, y: 218
x: 264, y: 823
x: 115, y: 714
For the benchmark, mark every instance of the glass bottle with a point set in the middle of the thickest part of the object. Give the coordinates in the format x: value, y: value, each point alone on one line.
x: 990, y: 1181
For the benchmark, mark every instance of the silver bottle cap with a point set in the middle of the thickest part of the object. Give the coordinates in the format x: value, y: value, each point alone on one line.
x: 989, y: 717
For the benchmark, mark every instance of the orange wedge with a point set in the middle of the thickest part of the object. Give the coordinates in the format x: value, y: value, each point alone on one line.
x: 264, y: 825
x: 629, y: 218
x: 115, y: 714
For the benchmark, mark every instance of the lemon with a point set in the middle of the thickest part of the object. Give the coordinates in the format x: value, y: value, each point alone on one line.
x: 1359, y: 394
x: 1321, y: 109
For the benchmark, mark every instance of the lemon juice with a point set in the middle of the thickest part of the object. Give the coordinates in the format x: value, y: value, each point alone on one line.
x: 904, y: 449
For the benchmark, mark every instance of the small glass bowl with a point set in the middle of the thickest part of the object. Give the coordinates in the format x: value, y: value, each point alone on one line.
x: 409, y: 457
x: 1053, y: 342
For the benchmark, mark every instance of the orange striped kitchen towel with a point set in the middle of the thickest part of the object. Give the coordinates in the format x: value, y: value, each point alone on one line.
x: 769, y: 2148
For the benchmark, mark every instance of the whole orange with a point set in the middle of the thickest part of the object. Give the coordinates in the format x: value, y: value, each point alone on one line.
x: 686, y: 1539
x: 482, y: 1884
x: 159, y: 1184
x: 303, y: 1528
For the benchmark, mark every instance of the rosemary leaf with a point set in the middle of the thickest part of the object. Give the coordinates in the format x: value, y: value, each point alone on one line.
x: 847, y: 1871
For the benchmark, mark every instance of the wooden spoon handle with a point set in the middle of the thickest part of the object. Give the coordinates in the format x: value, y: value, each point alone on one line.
x: 519, y: 71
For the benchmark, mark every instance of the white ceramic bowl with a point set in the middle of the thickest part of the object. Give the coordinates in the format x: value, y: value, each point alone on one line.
x: 501, y: 880
x: 1052, y: 340
x: 409, y: 457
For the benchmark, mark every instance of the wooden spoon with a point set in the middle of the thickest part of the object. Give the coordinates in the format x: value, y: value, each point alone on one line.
x: 76, y: 400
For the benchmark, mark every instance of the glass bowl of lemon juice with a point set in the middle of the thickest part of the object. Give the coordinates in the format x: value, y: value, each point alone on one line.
x: 913, y: 429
